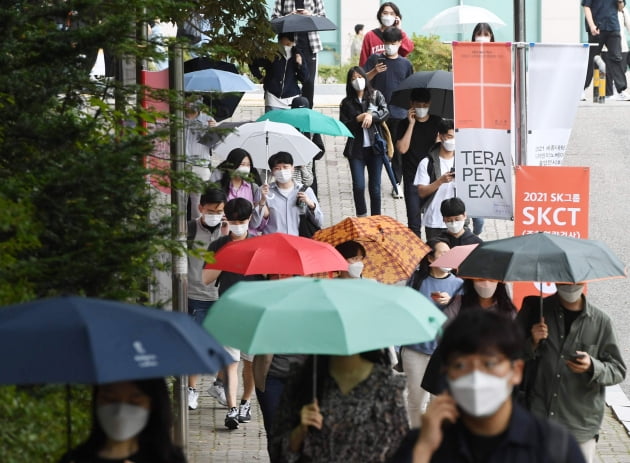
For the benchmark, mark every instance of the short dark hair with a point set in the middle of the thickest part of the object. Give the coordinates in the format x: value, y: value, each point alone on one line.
x: 445, y: 125
x: 281, y: 157
x: 212, y: 195
x: 350, y: 249
x: 238, y: 209
x: 451, y: 207
x: 288, y: 35
x: 392, y: 5
x: 300, y: 102
x: 480, y: 330
x: 422, y: 95
x: 392, y: 34
x: 358, y: 28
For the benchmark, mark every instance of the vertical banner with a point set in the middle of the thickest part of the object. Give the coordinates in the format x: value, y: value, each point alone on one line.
x: 552, y: 200
x: 555, y: 82
x: 482, y: 95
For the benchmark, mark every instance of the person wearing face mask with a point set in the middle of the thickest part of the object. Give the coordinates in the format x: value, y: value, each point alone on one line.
x: 281, y: 76
x: 415, y: 136
x: 238, y: 212
x: 454, y: 215
x: 482, y: 33
x: 354, y: 253
x: 287, y: 199
x: 476, y: 419
x: 435, y: 177
x: 386, y: 71
x: 388, y: 15
x: 361, y: 111
x: 131, y: 422
x: 577, y: 356
x: 484, y: 294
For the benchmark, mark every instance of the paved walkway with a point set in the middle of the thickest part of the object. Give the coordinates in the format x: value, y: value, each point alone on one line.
x: 209, y: 440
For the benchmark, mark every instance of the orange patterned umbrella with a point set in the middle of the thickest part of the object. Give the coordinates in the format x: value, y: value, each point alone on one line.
x: 393, y: 250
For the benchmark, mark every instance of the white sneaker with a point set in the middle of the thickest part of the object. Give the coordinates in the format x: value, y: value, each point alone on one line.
x: 193, y: 398
x: 398, y: 195
x: 218, y: 392
x: 583, y: 97
x: 623, y: 96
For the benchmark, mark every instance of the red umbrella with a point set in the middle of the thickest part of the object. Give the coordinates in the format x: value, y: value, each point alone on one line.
x: 454, y: 256
x: 278, y: 253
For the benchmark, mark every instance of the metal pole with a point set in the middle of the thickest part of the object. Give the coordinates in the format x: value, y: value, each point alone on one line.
x: 520, y: 87
x: 178, y: 200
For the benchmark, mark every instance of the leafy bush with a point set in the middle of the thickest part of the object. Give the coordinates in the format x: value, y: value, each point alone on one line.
x: 429, y: 54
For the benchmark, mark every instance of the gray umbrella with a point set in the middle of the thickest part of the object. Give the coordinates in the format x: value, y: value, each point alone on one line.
x: 440, y: 83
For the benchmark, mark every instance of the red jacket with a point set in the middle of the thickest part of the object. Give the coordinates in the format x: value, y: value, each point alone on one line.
x: 372, y: 43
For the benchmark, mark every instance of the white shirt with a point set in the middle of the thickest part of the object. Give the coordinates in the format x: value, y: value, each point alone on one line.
x: 433, y: 216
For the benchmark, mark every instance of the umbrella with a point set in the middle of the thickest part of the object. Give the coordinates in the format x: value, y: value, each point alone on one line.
x: 440, y: 83
x: 278, y: 253
x: 262, y: 138
x: 457, y: 18
x: 321, y: 316
x: 302, y: 23
x: 307, y: 120
x: 393, y: 250
x: 215, y: 80
x: 454, y: 256
x: 84, y: 340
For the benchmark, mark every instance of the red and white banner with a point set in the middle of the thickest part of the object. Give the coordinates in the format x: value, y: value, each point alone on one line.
x: 482, y: 95
x: 555, y: 81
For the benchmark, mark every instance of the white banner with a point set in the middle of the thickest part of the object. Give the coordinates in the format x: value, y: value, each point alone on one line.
x: 483, y: 172
x: 555, y: 81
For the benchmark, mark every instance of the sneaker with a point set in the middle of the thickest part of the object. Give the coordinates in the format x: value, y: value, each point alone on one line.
x: 623, y: 96
x: 231, y: 419
x: 583, y: 97
x: 398, y: 195
x: 218, y: 392
x: 244, y: 414
x: 193, y: 398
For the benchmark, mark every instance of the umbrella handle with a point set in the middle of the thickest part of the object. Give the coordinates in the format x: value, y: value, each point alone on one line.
x: 269, y: 195
x: 314, y: 378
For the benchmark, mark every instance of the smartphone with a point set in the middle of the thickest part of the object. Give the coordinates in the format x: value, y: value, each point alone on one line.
x: 380, y: 61
x: 576, y: 357
x: 435, y: 295
x: 452, y: 171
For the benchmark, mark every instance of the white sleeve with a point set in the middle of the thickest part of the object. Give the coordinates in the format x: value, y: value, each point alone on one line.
x: 422, y: 176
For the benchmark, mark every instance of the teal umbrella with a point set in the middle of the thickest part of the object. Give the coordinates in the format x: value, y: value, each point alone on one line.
x: 307, y: 120
x: 321, y: 316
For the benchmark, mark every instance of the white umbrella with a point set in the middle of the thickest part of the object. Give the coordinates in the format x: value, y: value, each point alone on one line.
x: 215, y: 80
x: 455, y: 19
x: 263, y: 138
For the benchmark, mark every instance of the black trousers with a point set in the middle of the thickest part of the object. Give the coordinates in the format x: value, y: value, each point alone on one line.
x: 614, y: 68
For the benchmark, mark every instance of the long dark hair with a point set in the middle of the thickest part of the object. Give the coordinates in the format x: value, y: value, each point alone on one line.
x: 470, y: 298
x: 231, y: 163
x: 422, y: 270
x: 481, y: 28
x: 154, y: 440
x: 351, y: 92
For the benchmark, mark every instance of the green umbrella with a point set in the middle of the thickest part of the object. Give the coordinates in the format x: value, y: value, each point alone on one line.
x: 321, y: 316
x: 307, y: 120
x: 542, y: 257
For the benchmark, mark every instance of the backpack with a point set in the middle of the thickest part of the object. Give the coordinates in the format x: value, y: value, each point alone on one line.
x: 424, y: 202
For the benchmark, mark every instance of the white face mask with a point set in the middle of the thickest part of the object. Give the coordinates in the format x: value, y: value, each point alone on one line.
x: 283, y: 175
x: 449, y: 144
x: 455, y: 227
x: 480, y: 394
x: 212, y: 220
x: 422, y: 112
x: 122, y: 421
x: 388, y: 20
x: 239, y: 229
x: 482, y: 38
x: 391, y: 49
x: 485, y: 289
x: 570, y: 293
x: 358, y: 84
x: 445, y: 269
x: 355, y: 269
x: 287, y: 50
x: 245, y: 170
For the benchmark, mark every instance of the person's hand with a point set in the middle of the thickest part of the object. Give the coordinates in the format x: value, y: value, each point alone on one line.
x: 302, y: 196
x: 442, y: 408
x: 443, y: 298
x: 594, y: 30
x: 380, y: 67
x: 212, y: 123
x: 298, y: 59
x: 367, y: 120
x: 580, y: 365
x: 539, y: 332
x: 311, y: 416
x: 397, y: 22
x: 448, y: 177
x: 411, y: 116
x: 264, y: 192
x: 303, y: 12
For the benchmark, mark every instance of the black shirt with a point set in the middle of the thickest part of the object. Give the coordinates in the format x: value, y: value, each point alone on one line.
x: 422, y: 139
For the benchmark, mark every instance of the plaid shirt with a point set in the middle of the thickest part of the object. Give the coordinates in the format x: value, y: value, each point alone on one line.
x: 315, y: 7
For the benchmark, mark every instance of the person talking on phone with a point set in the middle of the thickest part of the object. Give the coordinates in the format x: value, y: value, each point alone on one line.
x: 388, y: 15
x: 577, y: 357
x: 477, y: 419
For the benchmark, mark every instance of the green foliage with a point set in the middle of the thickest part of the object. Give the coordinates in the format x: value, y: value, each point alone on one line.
x: 334, y: 74
x: 429, y: 54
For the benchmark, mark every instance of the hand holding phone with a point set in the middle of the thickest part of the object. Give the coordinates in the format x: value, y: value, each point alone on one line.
x: 576, y: 358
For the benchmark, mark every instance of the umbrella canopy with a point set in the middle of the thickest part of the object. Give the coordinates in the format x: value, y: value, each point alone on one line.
x: 454, y: 256
x: 314, y: 316
x: 83, y: 340
x: 393, y: 250
x: 215, y: 80
x: 302, y: 23
x: 307, y: 120
x: 458, y: 18
x: 278, y: 253
x: 542, y: 257
x: 440, y: 84
x: 261, y: 139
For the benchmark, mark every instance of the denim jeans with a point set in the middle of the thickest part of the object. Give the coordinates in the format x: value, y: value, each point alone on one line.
x: 477, y: 225
x: 199, y: 309
x: 412, y: 203
x: 374, y: 164
x: 270, y: 399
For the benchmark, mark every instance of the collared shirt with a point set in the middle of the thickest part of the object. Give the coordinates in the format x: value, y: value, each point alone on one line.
x: 604, y: 14
x: 314, y: 7
x: 196, y: 289
x: 284, y: 214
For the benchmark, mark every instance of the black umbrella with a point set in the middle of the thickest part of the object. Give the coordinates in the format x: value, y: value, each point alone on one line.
x: 302, y: 23
x: 440, y: 83
x: 222, y: 105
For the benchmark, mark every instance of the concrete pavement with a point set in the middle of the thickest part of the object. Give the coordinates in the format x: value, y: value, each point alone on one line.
x: 209, y: 440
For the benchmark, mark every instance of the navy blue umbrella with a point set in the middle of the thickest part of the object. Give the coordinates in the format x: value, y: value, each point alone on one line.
x: 83, y: 340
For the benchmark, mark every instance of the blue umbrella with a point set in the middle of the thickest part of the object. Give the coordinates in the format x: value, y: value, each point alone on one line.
x: 215, y: 80
x: 83, y: 340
